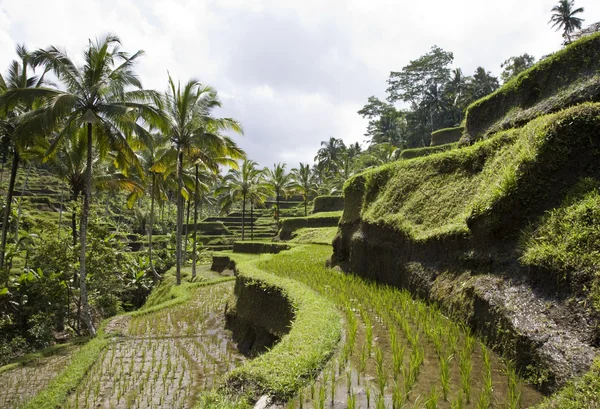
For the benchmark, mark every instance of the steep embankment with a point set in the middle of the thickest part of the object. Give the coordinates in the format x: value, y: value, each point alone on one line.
x: 477, y: 228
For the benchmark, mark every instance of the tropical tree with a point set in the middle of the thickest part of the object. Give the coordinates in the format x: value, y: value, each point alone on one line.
x: 564, y: 18
x: 105, y: 97
x: 10, y: 109
x: 328, y: 156
x: 237, y: 186
x: 304, y: 183
x: 279, y: 181
x: 191, y: 127
x: 515, y: 65
x: 260, y: 190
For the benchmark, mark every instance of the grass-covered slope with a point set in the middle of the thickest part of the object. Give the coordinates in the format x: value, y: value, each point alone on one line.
x: 301, y: 353
x: 566, y: 78
x: 565, y: 244
x: 452, y: 192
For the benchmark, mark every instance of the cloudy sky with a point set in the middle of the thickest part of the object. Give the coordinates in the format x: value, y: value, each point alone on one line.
x: 293, y: 72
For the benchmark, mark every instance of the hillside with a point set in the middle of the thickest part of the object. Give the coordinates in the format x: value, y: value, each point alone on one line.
x: 500, y: 230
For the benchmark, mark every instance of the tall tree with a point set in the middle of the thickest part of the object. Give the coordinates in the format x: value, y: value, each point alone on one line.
x: 481, y: 84
x: 328, y: 156
x: 564, y: 18
x: 279, y: 181
x: 386, y: 123
x: 190, y: 126
x: 10, y: 110
x: 515, y: 65
x: 106, y: 98
x: 237, y: 186
x: 304, y: 183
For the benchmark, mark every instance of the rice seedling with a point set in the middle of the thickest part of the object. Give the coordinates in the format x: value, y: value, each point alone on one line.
x: 465, y: 366
x: 514, y: 391
x: 445, y: 376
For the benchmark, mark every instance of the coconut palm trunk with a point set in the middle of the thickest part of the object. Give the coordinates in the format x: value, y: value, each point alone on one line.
x: 251, y: 221
x: 180, y: 210
x: 9, y: 196
x: 74, y: 217
x: 87, y: 316
x: 20, y: 207
x: 243, y: 215
x: 194, y: 255
x: 150, y: 228
x: 305, y: 205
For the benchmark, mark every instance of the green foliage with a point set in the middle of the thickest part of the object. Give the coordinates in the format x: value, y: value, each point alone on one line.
x: 446, y: 135
x: 438, y: 194
x: 581, y: 393
x: 428, y: 150
x: 311, y: 340
x: 516, y: 65
x: 565, y: 241
x: 328, y: 204
x: 317, y: 235
x: 324, y: 219
x: 568, y: 77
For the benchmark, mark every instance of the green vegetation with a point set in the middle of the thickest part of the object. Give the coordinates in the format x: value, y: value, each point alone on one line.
x: 324, y: 219
x: 428, y: 150
x: 258, y: 247
x: 390, y: 338
x: 565, y: 241
x: 302, y: 352
x: 318, y: 235
x: 581, y: 393
x: 566, y: 78
x: 438, y: 194
x: 446, y: 135
x: 328, y: 204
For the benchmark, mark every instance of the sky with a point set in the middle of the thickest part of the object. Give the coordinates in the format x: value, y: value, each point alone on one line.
x: 292, y: 72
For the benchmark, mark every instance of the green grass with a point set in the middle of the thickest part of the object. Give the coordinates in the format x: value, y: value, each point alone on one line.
x: 43, y: 353
x: 436, y: 195
x: 566, y: 240
x: 446, y: 136
x: 57, y: 391
x: 426, y: 151
x: 323, y: 219
x: 581, y: 393
x: 303, y: 351
x: 327, y: 204
x: 315, y: 235
x: 567, y: 77
x: 165, y: 296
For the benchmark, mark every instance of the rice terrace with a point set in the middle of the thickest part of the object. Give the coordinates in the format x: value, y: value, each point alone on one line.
x: 449, y: 260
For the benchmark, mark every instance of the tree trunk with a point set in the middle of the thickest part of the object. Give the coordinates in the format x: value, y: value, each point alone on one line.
x: 9, y: 196
x: 150, y: 228
x: 194, y: 255
x: 74, y: 217
x: 85, y: 307
x: 62, y: 194
x: 180, y: 210
x: 305, y: 205
x: 243, y: 215
x: 251, y: 221
x: 20, y: 208
x: 278, y: 209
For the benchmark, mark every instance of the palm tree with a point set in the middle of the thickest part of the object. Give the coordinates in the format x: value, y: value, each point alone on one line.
x: 106, y: 98
x: 563, y: 17
x: 17, y: 78
x: 237, y: 186
x: 150, y: 155
x: 329, y: 155
x: 304, y: 183
x: 279, y: 181
x: 191, y: 128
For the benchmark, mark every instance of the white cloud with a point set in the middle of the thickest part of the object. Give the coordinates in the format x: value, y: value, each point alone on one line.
x: 293, y: 72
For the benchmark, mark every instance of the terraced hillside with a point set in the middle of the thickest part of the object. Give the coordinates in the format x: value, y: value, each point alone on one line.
x: 497, y: 230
